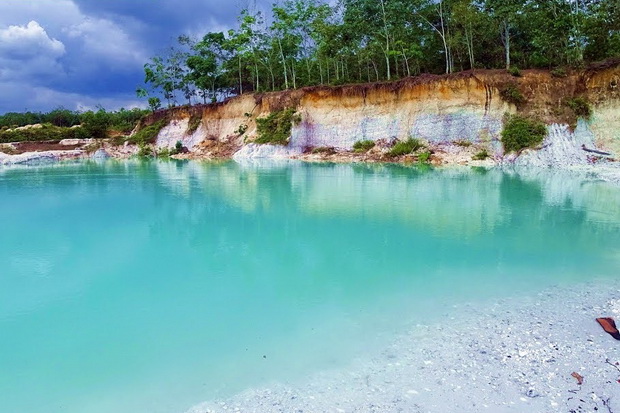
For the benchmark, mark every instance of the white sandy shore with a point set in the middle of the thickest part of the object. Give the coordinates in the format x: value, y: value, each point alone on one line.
x: 515, y: 355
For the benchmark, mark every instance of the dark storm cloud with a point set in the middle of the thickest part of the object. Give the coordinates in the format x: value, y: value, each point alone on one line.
x: 80, y: 53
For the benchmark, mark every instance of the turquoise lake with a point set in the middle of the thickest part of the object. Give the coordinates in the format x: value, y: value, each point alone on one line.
x: 135, y: 287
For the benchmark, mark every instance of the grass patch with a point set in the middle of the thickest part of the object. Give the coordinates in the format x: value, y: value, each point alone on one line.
x: 194, y: 124
x: 580, y: 106
x: 521, y: 132
x: 481, y: 156
x: 511, y: 94
x: 424, y: 157
x: 514, y: 71
x: 148, y: 134
x: 145, y: 151
x: 559, y: 72
x: 363, y: 146
x: 276, y: 128
x: 405, y: 147
x: 168, y: 152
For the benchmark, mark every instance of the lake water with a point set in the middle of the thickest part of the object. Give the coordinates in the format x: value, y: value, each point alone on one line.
x: 135, y: 287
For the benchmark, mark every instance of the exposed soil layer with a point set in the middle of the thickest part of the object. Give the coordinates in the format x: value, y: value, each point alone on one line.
x: 24, y: 147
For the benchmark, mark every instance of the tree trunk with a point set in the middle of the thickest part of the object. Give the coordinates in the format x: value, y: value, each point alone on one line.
x: 240, y: 80
x: 406, y: 62
x: 387, y: 40
x: 506, y: 41
x: 283, y: 64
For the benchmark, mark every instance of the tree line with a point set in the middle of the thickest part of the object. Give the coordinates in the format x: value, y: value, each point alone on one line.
x: 122, y: 120
x: 311, y: 42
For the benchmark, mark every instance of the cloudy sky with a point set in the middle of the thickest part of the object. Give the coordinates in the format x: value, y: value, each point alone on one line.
x: 81, y: 53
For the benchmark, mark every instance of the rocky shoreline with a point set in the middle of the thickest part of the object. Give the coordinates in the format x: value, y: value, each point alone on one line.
x: 513, y: 355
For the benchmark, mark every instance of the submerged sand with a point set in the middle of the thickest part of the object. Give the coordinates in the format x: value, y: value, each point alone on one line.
x: 512, y: 355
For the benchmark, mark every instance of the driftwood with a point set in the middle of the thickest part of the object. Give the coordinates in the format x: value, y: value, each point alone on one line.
x: 609, y: 325
x: 595, y: 151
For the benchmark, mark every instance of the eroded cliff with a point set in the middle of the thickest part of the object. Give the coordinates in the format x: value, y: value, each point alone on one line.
x: 467, y: 108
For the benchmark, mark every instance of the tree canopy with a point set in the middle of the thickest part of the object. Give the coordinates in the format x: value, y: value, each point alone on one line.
x: 312, y: 42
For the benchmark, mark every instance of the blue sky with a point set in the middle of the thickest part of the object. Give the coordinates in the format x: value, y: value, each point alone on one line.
x: 81, y: 53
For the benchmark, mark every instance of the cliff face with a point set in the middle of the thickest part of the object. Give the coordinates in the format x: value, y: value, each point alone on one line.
x: 438, y: 109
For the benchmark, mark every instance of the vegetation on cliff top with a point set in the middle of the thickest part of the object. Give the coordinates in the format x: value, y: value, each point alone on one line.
x: 316, y: 42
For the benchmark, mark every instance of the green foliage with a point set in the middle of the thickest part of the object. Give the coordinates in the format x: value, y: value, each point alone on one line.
x: 154, y: 103
x: 148, y: 134
x: 165, y: 153
x: 168, y: 152
x: 424, y: 157
x: 45, y: 132
x: 511, y: 94
x: 145, y: 151
x: 94, y: 122
x: 194, y: 124
x: 178, y: 147
x: 559, y: 72
x: 311, y: 42
x: 481, y: 156
x: 515, y: 71
x: 64, y: 124
x: 242, y: 129
x: 521, y: 132
x: 363, y: 146
x: 405, y: 147
x: 580, y: 106
x: 276, y: 127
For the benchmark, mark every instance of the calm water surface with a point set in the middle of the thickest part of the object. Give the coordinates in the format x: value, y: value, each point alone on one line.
x: 133, y: 287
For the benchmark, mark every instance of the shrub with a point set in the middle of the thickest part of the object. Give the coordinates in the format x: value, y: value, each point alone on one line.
x: 405, y: 147
x: 559, y: 72
x: 241, y: 130
x: 194, y: 123
x: 149, y: 133
x: 521, y: 132
x: 511, y: 94
x: 580, y: 106
x: 178, y: 147
x: 363, y: 146
x: 145, y: 151
x: 164, y: 153
x: 118, y: 140
x: 481, y: 156
x: 514, y: 71
x: 276, y: 128
x: 424, y: 157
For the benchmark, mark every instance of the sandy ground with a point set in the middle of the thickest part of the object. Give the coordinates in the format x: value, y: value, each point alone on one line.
x: 514, y: 355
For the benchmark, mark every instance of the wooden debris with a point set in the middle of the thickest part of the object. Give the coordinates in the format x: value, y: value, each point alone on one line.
x: 609, y: 325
